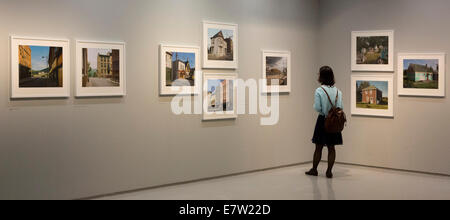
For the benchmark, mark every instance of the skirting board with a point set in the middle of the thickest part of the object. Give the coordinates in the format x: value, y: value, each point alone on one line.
x: 191, y: 181
x: 392, y: 169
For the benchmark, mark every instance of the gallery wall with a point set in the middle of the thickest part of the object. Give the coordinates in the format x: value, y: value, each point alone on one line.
x: 416, y: 138
x: 76, y: 148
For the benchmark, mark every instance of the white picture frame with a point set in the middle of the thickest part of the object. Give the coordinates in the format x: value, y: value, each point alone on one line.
x: 114, y: 84
x: 378, y: 81
x: 212, y: 29
x: 225, y: 112
x: 25, y: 81
x: 421, y: 59
x: 357, y: 64
x: 167, y: 90
x: 284, y: 64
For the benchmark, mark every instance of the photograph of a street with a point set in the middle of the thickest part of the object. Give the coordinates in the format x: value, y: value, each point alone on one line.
x: 180, y: 66
x: 101, y: 67
x: 40, y: 66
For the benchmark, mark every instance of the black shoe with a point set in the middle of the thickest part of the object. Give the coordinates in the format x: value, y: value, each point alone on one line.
x: 312, y: 172
x: 329, y: 175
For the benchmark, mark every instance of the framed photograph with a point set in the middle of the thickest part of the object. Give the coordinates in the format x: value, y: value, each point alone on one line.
x: 220, y: 45
x: 373, y: 95
x: 373, y: 51
x: 40, y: 68
x: 100, y: 69
x: 179, y: 70
x: 276, y: 66
x: 421, y: 74
x: 219, y: 96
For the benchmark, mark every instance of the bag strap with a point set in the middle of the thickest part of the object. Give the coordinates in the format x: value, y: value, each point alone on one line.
x: 337, y: 97
x: 329, y: 99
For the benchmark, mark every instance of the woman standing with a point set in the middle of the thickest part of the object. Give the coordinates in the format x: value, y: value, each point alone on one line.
x: 322, y: 105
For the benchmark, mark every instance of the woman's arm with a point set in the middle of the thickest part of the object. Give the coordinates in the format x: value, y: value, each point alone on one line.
x: 318, y: 102
x: 340, y: 102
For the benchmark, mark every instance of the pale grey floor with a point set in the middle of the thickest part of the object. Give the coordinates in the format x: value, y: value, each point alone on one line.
x: 350, y: 182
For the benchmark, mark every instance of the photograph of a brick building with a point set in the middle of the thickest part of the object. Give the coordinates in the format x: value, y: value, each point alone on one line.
x: 372, y: 94
x: 101, y: 67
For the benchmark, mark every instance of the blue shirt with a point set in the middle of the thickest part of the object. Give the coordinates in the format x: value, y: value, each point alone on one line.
x: 321, y: 103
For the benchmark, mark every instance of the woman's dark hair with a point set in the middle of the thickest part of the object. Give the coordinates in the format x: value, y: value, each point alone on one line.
x: 326, y: 76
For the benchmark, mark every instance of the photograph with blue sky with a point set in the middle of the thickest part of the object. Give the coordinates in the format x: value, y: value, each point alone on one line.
x: 433, y: 63
x: 185, y: 57
x: 218, y: 100
x: 381, y: 85
x: 181, y: 67
x: 35, y: 70
x: 39, y: 57
x: 421, y: 73
x: 213, y: 84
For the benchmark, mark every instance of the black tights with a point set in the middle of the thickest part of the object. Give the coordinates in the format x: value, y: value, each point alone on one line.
x: 318, y: 157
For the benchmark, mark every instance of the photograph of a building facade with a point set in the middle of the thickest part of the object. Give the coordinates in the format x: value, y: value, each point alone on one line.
x: 372, y: 95
x: 220, y: 44
x: 101, y: 67
x: 220, y: 95
x: 40, y: 66
x: 180, y: 66
x: 421, y: 74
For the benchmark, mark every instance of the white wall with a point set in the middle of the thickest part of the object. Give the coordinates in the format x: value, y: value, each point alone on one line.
x: 74, y: 148
x: 416, y: 139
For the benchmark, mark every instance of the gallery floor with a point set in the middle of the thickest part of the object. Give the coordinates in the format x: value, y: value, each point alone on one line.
x: 350, y: 182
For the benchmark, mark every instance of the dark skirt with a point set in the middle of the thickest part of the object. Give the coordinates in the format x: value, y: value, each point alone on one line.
x: 324, y: 138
